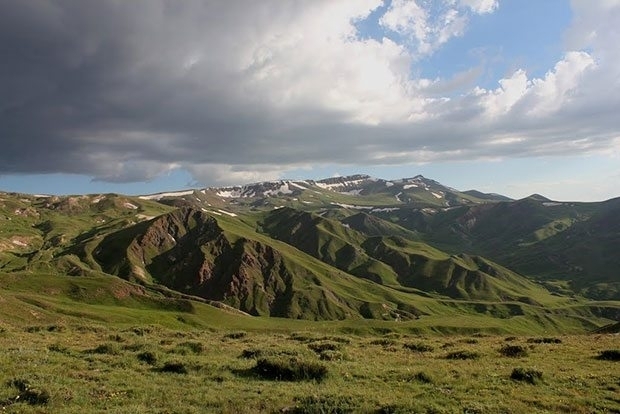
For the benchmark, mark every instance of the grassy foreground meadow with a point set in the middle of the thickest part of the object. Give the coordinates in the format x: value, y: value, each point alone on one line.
x: 84, y: 368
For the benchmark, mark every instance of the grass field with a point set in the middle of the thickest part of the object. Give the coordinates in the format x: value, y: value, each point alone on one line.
x: 86, y: 367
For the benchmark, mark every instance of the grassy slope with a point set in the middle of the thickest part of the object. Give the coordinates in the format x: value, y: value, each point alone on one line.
x: 97, y: 368
x: 59, y: 223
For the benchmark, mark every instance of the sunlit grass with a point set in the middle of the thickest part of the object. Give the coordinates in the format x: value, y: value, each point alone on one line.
x: 140, y: 369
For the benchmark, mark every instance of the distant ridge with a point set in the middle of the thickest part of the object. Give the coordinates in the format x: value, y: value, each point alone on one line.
x: 537, y: 197
x: 487, y: 196
x: 341, y: 247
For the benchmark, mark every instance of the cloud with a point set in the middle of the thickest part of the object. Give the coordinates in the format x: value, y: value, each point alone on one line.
x: 481, y: 6
x: 538, y: 97
x: 426, y: 30
x: 237, y: 91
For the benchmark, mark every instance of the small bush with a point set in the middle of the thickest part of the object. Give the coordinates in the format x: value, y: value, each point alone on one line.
x: 116, y: 338
x: 194, y: 347
x: 510, y: 338
x: 463, y: 355
x: 333, y: 404
x: 329, y: 355
x: 147, y: 357
x: 513, y: 351
x: 141, y: 330
x: 56, y: 328
x: 422, y: 377
x: 399, y: 409
x: 419, y: 347
x: 302, y: 337
x: 383, y: 342
x: 174, y: 367
x: 135, y: 347
x: 33, y: 329
x: 110, y: 349
x: 610, y: 355
x: 526, y: 375
x: 59, y: 348
x: 290, y: 369
x: 236, y: 335
x: 254, y: 353
x: 28, y: 393
x: 319, y: 347
x: 339, y: 339
x: 544, y: 341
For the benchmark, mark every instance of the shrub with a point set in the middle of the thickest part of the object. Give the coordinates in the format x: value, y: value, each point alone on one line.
x: 526, y: 375
x: 610, y: 355
x: 383, y: 342
x: 141, y: 330
x: 148, y: 357
x: 319, y: 347
x: 134, y: 347
x: 510, y: 338
x: 302, y: 337
x: 333, y: 404
x: 339, y: 339
x: 254, y: 353
x: 194, y: 347
x: 463, y: 355
x: 544, y: 341
x: 59, y: 348
x: 289, y: 369
x: 28, y: 393
x: 110, y: 349
x: 173, y: 367
x: 422, y: 377
x: 418, y: 347
x: 235, y: 335
x: 331, y: 356
x: 399, y: 409
x: 116, y: 338
x: 513, y: 351
x: 33, y: 329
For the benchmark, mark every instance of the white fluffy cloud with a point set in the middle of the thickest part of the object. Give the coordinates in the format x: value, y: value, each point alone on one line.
x: 426, y: 30
x: 538, y: 97
x: 481, y: 6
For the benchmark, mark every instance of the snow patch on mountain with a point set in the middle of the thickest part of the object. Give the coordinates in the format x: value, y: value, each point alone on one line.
x: 228, y: 213
x: 352, y: 192
x: 351, y: 206
x: 159, y: 196
x: 294, y: 184
x: 283, y: 189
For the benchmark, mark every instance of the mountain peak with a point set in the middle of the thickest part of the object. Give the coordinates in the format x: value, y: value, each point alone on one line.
x: 537, y: 197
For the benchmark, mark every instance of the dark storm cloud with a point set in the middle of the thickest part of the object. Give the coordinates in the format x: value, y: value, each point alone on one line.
x: 124, y: 90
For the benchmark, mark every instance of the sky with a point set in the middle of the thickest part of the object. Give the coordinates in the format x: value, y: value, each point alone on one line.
x: 507, y: 96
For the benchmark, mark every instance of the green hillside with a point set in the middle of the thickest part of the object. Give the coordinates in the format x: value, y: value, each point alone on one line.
x: 347, y: 248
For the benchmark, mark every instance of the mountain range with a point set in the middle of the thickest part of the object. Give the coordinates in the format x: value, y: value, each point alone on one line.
x: 338, y: 248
